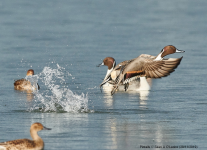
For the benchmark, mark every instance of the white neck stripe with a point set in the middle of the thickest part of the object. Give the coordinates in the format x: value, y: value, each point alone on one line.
x: 159, y: 57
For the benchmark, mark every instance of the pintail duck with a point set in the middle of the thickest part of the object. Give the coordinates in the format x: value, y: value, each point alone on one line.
x: 142, y: 67
x: 25, y: 144
x: 23, y: 84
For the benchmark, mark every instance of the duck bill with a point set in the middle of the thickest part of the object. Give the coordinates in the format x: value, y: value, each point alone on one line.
x: 44, y: 128
x: 100, y: 64
x: 179, y: 51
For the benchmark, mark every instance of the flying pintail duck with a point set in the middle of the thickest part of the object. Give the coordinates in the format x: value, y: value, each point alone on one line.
x: 23, y: 84
x: 142, y: 67
x: 25, y: 144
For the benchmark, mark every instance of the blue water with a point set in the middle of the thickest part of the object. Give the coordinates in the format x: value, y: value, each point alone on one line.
x: 63, y: 41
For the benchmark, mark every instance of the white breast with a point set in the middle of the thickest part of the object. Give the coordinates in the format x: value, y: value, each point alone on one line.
x: 113, y: 75
x: 2, y: 148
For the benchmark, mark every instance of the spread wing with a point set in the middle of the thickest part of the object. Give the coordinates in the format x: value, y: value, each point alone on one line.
x: 150, y: 68
x: 143, y: 66
x: 158, y: 69
x: 124, y: 64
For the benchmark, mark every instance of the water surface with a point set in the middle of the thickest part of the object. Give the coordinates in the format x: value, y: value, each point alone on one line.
x: 63, y: 41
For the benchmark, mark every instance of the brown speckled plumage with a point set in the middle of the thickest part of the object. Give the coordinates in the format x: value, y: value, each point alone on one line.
x: 23, y: 84
x: 26, y: 144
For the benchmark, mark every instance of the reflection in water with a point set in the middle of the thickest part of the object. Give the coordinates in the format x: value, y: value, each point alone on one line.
x: 133, y: 89
x: 127, y: 133
x: 143, y: 96
x: 28, y: 94
x: 113, y: 127
x: 108, y: 99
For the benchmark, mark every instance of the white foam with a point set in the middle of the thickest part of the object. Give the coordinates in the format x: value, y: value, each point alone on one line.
x: 58, y: 97
x: 33, y: 80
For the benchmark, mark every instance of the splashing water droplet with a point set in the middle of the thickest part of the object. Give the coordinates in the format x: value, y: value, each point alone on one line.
x: 33, y: 80
x: 58, y: 98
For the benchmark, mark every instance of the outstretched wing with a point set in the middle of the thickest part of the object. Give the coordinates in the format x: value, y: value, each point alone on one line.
x: 158, y: 69
x: 146, y: 67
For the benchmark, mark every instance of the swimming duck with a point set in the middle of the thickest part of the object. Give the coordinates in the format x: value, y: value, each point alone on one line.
x: 23, y: 84
x: 25, y: 144
x: 142, y: 67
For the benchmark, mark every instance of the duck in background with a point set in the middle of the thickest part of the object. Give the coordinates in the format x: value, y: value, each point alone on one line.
x: 25, y: 144
x: 24, y: 84
x: 143, y: 67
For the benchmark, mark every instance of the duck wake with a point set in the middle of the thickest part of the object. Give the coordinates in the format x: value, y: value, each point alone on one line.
x: 57, y: 97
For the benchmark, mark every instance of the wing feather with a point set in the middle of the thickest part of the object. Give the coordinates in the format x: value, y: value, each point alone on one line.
x: 158, y: 69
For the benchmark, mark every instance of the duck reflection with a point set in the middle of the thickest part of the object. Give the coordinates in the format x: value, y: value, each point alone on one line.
x: 127, y: 133
x: 113, y: 127
x: 28, y: 94
x: 108, y: 98
x: 133, y: 90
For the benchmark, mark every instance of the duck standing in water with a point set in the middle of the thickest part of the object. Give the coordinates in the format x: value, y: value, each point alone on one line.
x: 25, y: 85
x: 142, y: 67
x: 25, y: 144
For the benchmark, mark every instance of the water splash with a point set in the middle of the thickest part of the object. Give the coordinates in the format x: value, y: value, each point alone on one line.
x: 58, y: 97
x: 33, y: 80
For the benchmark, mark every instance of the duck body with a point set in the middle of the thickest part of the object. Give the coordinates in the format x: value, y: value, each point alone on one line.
x: 22, y: 144
x: 25, y: 144
x: 25, y: 84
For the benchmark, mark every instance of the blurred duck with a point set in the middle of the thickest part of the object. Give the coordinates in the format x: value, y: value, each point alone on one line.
x: 25, y: 144
x: 142, y: 67
x: 23, y: 84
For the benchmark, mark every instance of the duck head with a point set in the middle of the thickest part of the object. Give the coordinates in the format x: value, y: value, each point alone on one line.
x: 38, y: 127
x: 30, y: 72
x: 111, y: 63
x: 108, y: 61
x: 169, y: 49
